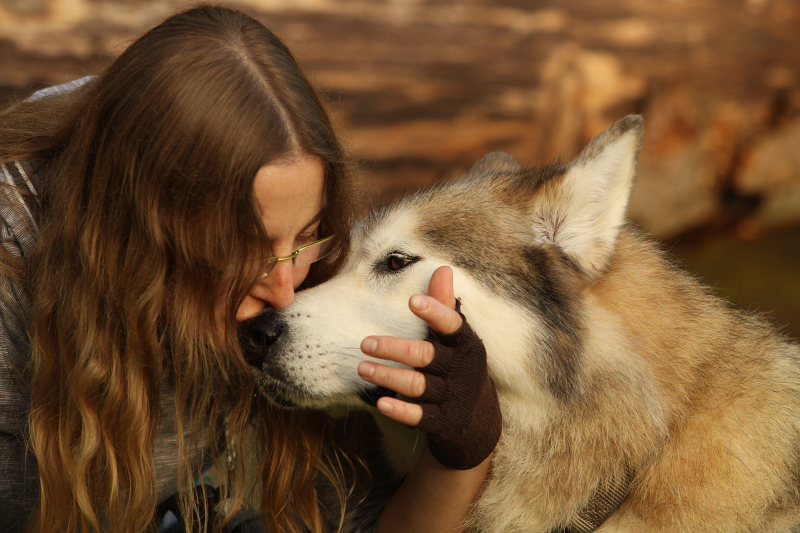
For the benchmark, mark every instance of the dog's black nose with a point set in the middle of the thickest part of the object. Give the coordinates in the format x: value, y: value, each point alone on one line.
x: 257, y: 334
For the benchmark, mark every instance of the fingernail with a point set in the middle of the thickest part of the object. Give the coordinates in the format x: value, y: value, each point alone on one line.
x: 368, y: 346
x: 385, y: 406
x: 365, y: 369
x: 418, y: 302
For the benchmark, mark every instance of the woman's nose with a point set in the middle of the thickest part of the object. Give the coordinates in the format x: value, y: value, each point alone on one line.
x: 278, y: 287
x: 275, y: 290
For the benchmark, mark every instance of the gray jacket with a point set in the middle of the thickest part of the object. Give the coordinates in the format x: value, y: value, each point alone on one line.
x: 18, y: 472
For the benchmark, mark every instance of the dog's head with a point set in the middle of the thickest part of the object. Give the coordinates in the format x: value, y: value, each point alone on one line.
x: 522, y: 243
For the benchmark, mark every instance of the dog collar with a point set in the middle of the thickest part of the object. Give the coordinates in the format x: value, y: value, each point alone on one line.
x: 601, y: 505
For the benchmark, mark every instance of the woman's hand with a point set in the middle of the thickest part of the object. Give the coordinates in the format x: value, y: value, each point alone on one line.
x: 457, y: 403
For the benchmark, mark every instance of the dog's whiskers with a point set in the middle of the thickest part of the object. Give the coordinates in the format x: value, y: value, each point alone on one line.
x: 358, y: 355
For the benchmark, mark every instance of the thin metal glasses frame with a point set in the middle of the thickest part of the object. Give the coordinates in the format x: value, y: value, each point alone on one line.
x: 273, y: 260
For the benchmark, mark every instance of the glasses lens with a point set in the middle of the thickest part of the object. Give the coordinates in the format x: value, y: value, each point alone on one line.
x: 314, y: 253
x: 269, y: 266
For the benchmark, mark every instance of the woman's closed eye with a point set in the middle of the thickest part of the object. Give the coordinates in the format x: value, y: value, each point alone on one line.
x: 306, y: 238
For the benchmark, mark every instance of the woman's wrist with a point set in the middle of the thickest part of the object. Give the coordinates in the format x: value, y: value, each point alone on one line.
x: 434, y: 498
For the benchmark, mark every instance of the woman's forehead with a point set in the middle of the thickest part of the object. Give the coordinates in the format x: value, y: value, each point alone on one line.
x: 289, y: 194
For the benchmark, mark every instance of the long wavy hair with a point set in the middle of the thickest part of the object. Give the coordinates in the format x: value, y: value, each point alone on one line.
x: 147, y: 200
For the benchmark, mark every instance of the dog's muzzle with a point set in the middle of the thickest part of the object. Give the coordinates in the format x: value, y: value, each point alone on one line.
x: 257, y: 335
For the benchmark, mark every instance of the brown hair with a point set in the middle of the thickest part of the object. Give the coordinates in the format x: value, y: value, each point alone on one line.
x: 148, y: 197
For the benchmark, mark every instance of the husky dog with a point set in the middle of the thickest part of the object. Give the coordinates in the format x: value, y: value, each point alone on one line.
x: 617, y: 373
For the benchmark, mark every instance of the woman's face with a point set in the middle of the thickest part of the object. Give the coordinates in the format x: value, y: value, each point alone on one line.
x: 289, y: 194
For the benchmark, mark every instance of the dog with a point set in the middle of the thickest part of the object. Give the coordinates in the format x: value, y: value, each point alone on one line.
x: 633, y: 398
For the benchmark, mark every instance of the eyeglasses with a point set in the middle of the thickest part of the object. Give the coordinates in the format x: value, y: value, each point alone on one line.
x: 303, y: 256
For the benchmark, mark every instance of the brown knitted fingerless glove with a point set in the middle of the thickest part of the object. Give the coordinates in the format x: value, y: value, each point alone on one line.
x: 461, y: 414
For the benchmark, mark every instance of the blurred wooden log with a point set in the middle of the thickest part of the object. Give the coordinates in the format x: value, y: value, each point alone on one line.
x: 423, y: 89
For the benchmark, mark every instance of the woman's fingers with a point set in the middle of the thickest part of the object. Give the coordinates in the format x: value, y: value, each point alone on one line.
x: 407, y: 382
x: 410, y: 352
x: 440, y: 286
x: 406, y: 413
x: 438, y: 308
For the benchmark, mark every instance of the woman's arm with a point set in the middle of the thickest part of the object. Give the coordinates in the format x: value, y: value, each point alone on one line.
x: 463, y: 428
x: 433, y: 498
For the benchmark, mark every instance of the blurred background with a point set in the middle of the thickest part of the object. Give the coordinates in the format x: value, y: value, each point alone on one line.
x: 421, y: 89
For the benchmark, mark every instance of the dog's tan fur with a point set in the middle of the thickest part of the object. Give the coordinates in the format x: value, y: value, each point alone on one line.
x: 702, y: 402
x: 607, y: 358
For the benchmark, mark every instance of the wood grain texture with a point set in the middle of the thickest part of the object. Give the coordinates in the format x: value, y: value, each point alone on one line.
x: 421, y: 89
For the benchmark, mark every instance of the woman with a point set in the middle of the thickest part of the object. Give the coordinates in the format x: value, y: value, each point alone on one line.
x: 155, y: 195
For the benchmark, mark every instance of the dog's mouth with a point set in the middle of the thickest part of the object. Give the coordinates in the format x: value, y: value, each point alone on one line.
x: 274, y: 393
x: 258, y: 337
x: 291, y: 396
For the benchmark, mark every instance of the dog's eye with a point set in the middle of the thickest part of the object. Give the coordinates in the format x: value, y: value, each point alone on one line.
x: 398, y: 261
x: 394, y: 262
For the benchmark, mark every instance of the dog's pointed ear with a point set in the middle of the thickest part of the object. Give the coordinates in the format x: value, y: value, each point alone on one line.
x: 582, y: 212
x: 492, y: 164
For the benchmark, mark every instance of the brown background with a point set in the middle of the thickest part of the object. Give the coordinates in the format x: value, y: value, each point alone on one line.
x: 422, y: 89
